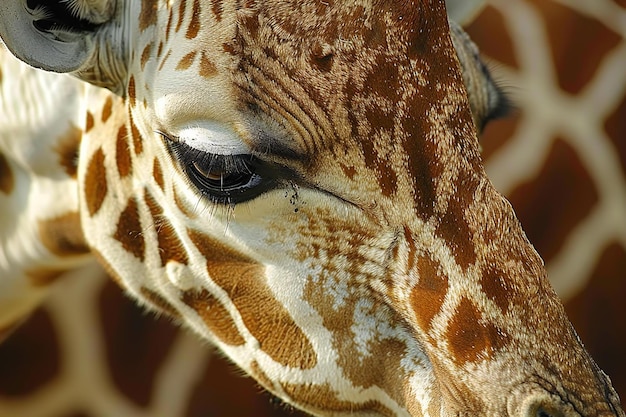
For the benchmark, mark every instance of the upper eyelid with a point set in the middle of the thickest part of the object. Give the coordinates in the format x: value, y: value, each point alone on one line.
x: 167, y: 136
x: 212, y: 142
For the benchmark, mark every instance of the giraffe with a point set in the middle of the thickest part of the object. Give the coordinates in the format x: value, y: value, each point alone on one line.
x: 459, y: 338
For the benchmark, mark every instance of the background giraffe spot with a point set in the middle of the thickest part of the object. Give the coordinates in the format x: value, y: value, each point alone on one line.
x: 133, y: 366
x: 615, y: 127
x: 577, y: 53
x: 571, y: 200
x: 41, y: 277
x: 67, y: 149
x: 24, y: 365
x: 210, y: 398
x: 63, y: 235
x: 482, y: 30
x: 7, y: 181
x: 603, y: 297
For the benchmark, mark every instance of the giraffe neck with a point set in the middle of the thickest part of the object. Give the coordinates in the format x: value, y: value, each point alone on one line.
x: 40, y: 223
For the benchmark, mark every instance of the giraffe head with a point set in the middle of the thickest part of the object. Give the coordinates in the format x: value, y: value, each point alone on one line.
x: 300, y: 183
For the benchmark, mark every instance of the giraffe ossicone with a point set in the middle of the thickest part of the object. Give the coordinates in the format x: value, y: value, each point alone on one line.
x: 298, y: 182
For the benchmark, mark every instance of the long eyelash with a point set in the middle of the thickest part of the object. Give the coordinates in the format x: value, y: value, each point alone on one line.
x: 226, y: 163
x: 210, y: 161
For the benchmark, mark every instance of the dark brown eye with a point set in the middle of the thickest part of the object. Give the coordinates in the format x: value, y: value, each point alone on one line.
x: 222, y: 173
x: 224, y: 179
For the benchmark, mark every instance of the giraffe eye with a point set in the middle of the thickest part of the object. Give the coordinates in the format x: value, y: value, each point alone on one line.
x: 224, y: 179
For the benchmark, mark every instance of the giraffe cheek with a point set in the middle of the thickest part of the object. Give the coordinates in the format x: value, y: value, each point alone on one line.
x: 214, y: 315
x: 268, y: 321
x: 428, y: 295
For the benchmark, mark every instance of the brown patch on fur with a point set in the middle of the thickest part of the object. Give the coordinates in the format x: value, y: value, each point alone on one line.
x: 168, y: 27
x: 96, y: 187
x: 148, y: 15
x: 470, y: 338
x: 132, y: 93
x: 67, y: 148
x: 428, y: 295
x: 122, y: 153
x: 496, y: 288
x: 186, y: 61
x: 323, y: 397
x: 194, y: 25
x: 157, y: 174
x: 63, y: 235
x: 207, y: 67
x: 269, y: 322
x: 134, y: 133
x: 145, y: 55
x: 214, y: 315
x: 217, y: 9
x: 170, y: 246
x: 453, y: 227
x: 181, y: 15
x: 7, y: 181
x: 161, y: 303
x: 129, y: 232
x: 89, y: 123
x: 42, y: 277
x: 382, y: 353
x: 434, y: 406
x: 107, y: 109
x: 167, y: 56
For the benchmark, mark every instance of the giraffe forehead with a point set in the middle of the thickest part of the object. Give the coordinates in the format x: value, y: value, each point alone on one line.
x: 362, y: 54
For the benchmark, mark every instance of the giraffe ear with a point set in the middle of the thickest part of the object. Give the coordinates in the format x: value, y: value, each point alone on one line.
x: 55, y: 35
x: 464, y: 11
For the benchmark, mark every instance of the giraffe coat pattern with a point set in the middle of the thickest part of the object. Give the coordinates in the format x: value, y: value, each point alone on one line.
x: 367, y: 225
